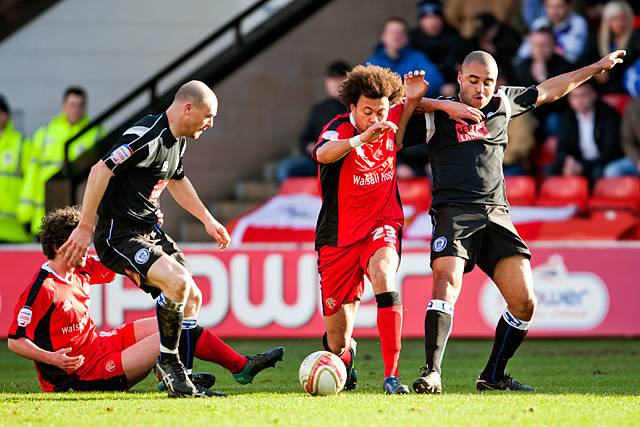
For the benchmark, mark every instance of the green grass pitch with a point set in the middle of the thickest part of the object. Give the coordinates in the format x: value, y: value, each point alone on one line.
x: 580, y: 383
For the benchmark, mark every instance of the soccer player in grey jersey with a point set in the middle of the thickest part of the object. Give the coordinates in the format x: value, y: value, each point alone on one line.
x: 470, y: 213
x: 123, y: 189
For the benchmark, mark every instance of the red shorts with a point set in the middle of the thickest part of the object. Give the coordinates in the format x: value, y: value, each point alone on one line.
x: 342, y: 269
x: 106, y: 361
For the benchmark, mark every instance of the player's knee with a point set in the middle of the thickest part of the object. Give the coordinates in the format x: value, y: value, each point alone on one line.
x: 445, y: 287
x: 179, y: 284
x: 382, y: 279
x: 526, y: 308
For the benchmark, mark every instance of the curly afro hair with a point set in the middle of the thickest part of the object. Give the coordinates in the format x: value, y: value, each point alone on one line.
x: 56, y: 228
x: 372, y: 82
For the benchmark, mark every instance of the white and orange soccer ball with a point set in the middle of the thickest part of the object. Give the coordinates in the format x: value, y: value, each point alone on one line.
x: 322, y: 373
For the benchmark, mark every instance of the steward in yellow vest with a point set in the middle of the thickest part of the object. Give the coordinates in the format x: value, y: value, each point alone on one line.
x: 14, y: 159
x: 47, y: 148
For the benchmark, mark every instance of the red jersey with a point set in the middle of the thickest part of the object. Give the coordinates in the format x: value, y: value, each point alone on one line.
x: 54, y: 313
x: 359, y: 190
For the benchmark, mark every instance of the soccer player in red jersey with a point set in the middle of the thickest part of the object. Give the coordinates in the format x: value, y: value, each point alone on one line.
x: 52, y: 326
x: 359, y: 227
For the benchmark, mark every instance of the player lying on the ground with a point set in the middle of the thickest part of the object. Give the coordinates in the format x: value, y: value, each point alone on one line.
x: 360, y: 223
x: 470, y: 212
x: 52, y: 326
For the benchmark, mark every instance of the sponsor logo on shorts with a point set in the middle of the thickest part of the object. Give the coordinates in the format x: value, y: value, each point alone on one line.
x: 24, y: 316
x: 121, y: 154
x: 331, y: 135
x: 110, y: 366
x: 142, y: 256
x: 330, y: 302
x: 439, y: 244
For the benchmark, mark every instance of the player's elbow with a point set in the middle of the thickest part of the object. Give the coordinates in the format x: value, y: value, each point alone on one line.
x: 100, y: 169
x: 322, y: 155
x: 12, y: 345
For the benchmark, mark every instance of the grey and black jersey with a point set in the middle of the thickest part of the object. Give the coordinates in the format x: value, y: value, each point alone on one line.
x: 466, y: 160
x: 144, y: 159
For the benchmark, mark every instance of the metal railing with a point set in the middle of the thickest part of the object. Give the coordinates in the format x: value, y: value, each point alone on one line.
x: 243, y: 48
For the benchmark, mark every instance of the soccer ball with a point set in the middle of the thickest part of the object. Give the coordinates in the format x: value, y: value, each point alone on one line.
x: 322, y: 373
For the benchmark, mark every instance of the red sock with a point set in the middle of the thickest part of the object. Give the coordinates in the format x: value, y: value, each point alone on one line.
x: 346, y: 356
x: 390, y: 330
x: 212, y: 349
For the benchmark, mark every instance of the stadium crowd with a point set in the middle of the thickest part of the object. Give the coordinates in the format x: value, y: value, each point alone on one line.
x: 593, y: 133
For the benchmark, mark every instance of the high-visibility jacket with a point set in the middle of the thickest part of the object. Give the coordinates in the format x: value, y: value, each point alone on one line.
x: 47, y: 159
x: 14, y: 159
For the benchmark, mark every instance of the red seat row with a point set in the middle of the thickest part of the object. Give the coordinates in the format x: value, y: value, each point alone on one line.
x: 608, y: 194
x: 621, y: 194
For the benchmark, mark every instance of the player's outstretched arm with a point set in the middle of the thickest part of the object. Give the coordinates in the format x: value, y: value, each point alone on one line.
x: 186, y: 196
x: 415, y: 87
x: 76, y: 245
x: 29, y: 350
x: 558, y: 86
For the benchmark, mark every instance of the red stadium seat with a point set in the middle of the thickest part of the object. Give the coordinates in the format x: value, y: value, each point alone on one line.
x: 621, y: 193
x: 521, y: 190
x: 618, y: 101
x: 415, y: 192
x: 306, y: 185
x: 564, y: 191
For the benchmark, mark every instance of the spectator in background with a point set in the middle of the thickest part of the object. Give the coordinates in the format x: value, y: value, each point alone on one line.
x: 569, y: 29
x: 394, y: 52
x: 630, y: 131
x: 440, y: 42
x: 462, y: 13
x: 532, y: 10
x: 615, y: 32
x: 589, y: 136
x: 301, y: 163
x: 543, y: 64
x: 14, y: 160
x: 498, y: 39
x: 48, y: 147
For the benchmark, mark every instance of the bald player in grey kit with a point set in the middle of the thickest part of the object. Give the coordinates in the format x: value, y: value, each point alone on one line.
x: 470, y: 212
x: 123, y: 190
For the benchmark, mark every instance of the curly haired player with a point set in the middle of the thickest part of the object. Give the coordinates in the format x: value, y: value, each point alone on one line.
x: 359, y: 227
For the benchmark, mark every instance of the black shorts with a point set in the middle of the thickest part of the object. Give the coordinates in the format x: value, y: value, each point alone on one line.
x: 131, y: 249
x: 480, y: 234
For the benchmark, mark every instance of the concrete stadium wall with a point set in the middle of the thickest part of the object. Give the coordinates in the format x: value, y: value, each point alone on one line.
x: 109, y: 47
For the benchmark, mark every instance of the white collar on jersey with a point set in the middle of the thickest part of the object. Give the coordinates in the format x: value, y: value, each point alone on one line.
x: 47, y: 267
x: 352, y: 119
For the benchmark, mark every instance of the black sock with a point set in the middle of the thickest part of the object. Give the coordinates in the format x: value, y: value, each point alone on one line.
x: 508, y: 339
x: 188, y: 339
x: 169, y: 315
x: 437, y: 328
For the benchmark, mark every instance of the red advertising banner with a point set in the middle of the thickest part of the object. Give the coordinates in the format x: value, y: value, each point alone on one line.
x: 583, y: 290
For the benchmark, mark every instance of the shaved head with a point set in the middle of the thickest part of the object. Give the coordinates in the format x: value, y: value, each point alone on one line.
x: 477, y: 78
x: 197, y: 93
x: 481, y: 57
x: 193, y: 109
